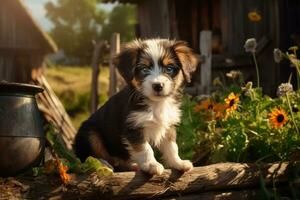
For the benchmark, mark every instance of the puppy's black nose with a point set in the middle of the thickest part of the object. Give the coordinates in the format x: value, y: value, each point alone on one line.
x: 157, y: 87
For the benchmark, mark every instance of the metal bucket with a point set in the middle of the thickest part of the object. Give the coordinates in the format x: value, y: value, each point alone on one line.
x: 22, y: 140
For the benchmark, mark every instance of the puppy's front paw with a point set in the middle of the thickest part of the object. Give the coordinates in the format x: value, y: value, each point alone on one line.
x: 154, y: 168
x: 184, y: 165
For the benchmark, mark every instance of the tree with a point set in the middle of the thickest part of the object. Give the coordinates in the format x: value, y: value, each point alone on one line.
x: 122, y: 19
x: 76, y: 24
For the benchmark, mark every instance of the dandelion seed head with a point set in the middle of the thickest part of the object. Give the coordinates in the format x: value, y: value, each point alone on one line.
x: 250, y: 45
x: 284, y: 88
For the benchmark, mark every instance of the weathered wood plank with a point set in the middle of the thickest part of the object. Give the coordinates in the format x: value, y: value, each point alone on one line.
x: 114, y: 50
x: 215, y: 179
x: 206, y: 53
x: 58, y: 115
x: 95, y: 74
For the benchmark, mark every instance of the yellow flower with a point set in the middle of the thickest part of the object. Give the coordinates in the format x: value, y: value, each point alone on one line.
x: 254, y: 16
x: 207, y: 104
x: 232, y: 102
x: 278, y: 117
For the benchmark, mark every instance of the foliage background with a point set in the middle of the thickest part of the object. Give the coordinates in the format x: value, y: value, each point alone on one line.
x: 78, y: 24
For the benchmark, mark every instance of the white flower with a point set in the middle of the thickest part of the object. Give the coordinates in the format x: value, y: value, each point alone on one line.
x: 250, y: 45
x: 247, y: 89
x: 278, y: 55
x: 233, y: 74
x: 284, y: 88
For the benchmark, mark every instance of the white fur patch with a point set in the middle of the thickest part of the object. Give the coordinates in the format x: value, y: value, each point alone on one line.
x: 157, y: 119
x: 145, y: 159
x: 169, y: 150
x: 154, y: 49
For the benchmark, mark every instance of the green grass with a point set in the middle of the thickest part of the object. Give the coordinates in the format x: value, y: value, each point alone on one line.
x: 72, y: 84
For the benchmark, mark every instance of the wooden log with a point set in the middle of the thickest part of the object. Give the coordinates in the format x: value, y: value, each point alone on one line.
x: 221, y: 195
x: 212, y: 180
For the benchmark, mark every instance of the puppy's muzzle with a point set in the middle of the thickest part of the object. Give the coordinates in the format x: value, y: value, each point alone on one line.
x: 157, y: 87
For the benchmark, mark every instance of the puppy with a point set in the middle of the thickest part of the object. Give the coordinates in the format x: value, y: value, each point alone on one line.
x: 145, y: 112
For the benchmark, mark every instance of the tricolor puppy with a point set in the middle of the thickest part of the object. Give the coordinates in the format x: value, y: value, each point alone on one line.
x: 145, y: 112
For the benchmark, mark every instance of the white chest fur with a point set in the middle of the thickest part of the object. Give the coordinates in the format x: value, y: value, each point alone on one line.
x: 157, y: 119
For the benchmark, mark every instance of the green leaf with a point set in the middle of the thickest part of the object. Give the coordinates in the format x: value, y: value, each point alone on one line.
x: 92, y: 164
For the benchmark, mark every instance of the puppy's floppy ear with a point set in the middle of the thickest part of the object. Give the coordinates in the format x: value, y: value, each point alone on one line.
x: 126, y: 60
x: 188, y: 59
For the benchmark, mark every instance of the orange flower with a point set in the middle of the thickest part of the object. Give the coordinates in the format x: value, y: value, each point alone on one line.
x: 232, y: 102
x: 62, y: 170
x: 207, y: 104
x: 278, y: 117
x: 254, y: 16
x: 219, y: 110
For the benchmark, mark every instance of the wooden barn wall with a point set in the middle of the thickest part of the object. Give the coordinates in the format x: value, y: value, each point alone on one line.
x: 187, y: 21
x: 289, y: 34
x: 21, y: 50
x: 236, y: 28
x: 239, y: 27
x: 16, y: 31
x: 192, y: 17
x: 20, y: 66
x: 6, y: 67
x: 153, y: 19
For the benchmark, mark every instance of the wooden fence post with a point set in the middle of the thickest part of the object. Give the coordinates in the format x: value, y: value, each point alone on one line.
x: 206, y: 66
x: 95, y: 74
x: 114, y: 50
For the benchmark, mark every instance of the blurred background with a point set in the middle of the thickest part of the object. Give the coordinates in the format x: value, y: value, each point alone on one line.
x: 71, y: 42
x: 75, y: 27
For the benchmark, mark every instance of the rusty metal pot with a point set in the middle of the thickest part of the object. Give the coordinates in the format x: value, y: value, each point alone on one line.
x: 22, y: 140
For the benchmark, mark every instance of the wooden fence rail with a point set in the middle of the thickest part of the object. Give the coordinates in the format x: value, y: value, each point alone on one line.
x: 95, y: 73
x: 113, y: 74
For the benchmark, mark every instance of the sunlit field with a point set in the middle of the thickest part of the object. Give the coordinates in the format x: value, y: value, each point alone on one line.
x: 72, y: 84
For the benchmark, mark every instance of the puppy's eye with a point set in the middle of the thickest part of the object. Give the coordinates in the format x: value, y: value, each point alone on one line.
x: 144, y: 70
x: 171, y: 69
